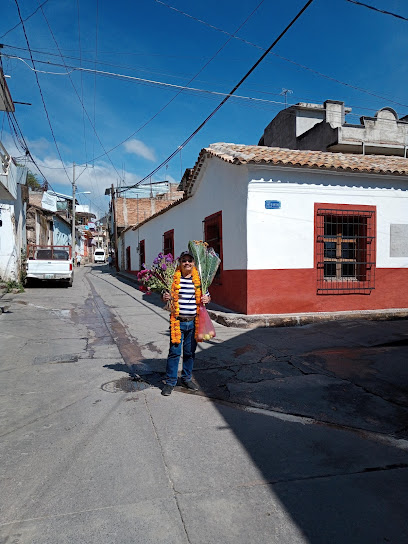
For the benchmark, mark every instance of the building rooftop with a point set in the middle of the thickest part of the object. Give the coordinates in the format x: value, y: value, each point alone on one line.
x: 322, y: 160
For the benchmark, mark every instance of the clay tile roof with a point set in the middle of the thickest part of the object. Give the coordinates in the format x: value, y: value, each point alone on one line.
x: 276, y: 156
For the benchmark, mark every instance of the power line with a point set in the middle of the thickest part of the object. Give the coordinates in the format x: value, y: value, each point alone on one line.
x: 26, y: 19
x: 16, y: 131
x: 149, y: 82
x: 82, y: 84
x: 383, y: 11
x: 320, y: 74
x: 302, y: 66
x: 79, y: 98
x: 181, y: 88
x: 229, y: 95
x: 39, y: 87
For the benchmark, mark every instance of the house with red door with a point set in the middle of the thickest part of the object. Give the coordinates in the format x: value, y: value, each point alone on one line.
x: 296, y: 230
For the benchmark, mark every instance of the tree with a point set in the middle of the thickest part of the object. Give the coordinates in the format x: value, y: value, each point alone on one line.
x: 32, y: 181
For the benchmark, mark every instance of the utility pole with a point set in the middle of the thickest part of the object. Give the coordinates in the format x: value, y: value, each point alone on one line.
x: 115, y: 229
x: 73, y: 218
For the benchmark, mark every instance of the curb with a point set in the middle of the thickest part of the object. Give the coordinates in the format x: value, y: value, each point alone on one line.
x: 296, y: 320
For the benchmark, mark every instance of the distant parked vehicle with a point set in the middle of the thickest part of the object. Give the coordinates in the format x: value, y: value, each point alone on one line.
x: 100, y: 256
x: 50, y: 263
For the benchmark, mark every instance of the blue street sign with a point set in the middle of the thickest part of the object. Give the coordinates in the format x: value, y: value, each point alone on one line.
x: 272, y: 204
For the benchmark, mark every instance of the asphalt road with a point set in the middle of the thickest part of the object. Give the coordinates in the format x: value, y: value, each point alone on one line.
x: 298, y: 435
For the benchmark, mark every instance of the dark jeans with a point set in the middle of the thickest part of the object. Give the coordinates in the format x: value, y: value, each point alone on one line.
x: 188, y: 345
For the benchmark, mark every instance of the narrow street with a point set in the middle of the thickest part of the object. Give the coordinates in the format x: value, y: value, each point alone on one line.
x: 298, y: 435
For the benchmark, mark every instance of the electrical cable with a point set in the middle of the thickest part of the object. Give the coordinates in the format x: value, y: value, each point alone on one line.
x: 148, y: 82
x: 320, y: 74
x: 182, y: 88
x: 159, y: 83
x: 39, y: 87
x: 254, y: 66
x: 384, y: 12
x: 82, y: 83
x: 79, y: 98
x: 26, y: 19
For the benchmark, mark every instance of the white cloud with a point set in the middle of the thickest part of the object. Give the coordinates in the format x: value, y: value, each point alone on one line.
x: 139, y: 148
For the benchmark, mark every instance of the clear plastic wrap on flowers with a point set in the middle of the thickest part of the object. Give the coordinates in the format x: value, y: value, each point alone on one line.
x: 206, y: 261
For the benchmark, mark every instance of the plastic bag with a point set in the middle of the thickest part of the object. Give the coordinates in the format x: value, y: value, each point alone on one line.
x: 205, y: 330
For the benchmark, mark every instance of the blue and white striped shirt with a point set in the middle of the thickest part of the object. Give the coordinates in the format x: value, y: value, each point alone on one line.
x: 187, y: 300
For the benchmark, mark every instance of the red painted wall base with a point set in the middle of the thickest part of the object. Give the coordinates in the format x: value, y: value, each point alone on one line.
x: 295, y: 291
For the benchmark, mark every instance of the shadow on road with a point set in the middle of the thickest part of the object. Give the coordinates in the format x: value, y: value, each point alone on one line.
x: 308, y: 405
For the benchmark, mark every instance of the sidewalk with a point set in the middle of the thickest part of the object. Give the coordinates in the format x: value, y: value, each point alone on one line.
x: 226, y: 317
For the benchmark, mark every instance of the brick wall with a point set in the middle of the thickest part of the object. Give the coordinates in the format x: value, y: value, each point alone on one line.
x: 131, y: 211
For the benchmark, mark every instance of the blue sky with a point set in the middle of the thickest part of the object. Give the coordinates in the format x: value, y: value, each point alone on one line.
x: 146, y: 39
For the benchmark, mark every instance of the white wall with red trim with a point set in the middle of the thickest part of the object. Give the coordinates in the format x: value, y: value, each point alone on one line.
x: 269, y: 254
x: 284, y: 238
x: 219, y: 187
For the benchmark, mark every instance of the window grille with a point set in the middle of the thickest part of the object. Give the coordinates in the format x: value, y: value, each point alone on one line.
x: 345, y: 249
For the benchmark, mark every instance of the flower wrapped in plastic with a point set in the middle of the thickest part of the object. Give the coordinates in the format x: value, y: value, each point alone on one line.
x: 159, y: 277
x: 207, y: 263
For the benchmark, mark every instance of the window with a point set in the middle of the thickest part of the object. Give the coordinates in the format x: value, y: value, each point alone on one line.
x: 168, y: 242
x: 213, y: 237
x: 128, y: 259
x: 142, y: 257
x: 345, y: 249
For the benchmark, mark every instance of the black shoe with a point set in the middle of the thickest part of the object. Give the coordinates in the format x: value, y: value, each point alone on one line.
x: 189, y: 385
x: 167, y: 390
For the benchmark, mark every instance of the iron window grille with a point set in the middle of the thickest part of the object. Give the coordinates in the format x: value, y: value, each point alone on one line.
x: 345, y: 250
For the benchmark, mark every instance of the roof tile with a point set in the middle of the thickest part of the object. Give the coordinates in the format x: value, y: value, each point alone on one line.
x: 252, y: 154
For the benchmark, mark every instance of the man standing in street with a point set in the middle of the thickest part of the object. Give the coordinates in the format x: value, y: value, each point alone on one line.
x: 185, y: 296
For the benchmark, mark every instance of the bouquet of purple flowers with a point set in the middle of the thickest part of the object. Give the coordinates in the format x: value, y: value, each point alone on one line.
x: 159, y: 277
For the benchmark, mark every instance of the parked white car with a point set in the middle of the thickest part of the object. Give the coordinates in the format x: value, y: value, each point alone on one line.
x: 100, y: 256
x: 50, y: 263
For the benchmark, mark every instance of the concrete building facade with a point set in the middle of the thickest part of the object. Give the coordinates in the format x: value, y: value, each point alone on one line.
x: 13, y: 203
x: 297, y: 231
x: 323, y: 127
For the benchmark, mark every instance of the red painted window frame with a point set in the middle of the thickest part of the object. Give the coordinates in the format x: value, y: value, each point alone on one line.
x: 369, y: 212
x: 168, y: 236
x: 142, y: 254
x: 212, y: 220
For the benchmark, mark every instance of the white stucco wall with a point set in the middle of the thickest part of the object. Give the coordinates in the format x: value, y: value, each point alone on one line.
x: 284, y: 238
x: 220, y: 186
x: 12, y: 236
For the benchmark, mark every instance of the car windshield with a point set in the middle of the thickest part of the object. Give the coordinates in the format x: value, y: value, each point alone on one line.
x: 50, y: 255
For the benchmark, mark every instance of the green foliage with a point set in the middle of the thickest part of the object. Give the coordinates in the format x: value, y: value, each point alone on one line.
x: 32, y: 181
x: 23, y: 266
x: 13, y: 284
x: 206, y: 261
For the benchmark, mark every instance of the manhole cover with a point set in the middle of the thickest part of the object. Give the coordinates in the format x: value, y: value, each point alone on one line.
x: 126, y: 385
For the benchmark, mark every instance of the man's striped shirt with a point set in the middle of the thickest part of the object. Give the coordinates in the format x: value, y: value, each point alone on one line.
x: 187, y: 300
